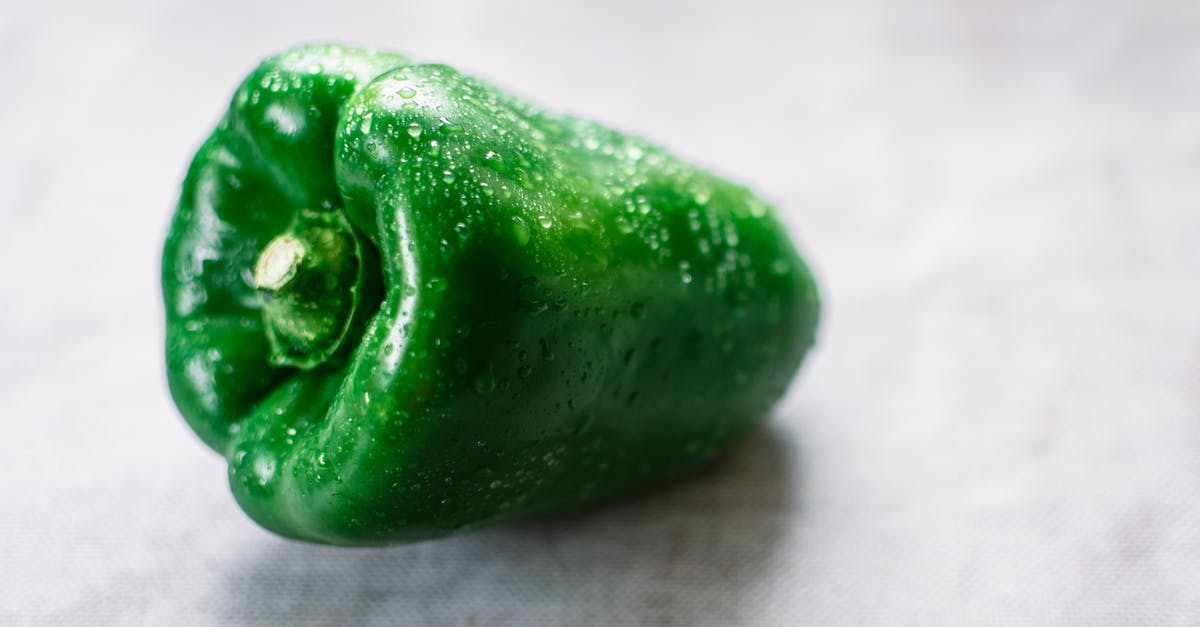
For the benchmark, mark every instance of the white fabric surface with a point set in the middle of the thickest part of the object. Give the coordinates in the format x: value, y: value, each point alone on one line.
x: 1000, y: 425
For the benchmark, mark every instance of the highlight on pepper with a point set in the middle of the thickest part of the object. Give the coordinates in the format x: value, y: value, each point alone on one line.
x: 403, y: 303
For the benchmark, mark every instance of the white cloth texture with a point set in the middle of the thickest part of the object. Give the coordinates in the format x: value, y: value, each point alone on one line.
x: 1000, y: 425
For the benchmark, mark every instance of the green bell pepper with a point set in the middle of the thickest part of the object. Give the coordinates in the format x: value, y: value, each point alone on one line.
x: 404, y: 304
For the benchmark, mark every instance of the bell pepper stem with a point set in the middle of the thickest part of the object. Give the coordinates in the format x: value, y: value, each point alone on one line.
x: 311, y: 282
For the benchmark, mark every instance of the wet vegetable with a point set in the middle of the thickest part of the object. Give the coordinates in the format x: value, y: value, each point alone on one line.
x: 404, y: 303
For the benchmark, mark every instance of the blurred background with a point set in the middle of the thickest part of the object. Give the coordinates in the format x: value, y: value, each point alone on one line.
x: 1001, y: 423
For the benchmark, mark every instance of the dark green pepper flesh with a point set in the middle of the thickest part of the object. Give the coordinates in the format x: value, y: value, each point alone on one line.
x: 543, y: 313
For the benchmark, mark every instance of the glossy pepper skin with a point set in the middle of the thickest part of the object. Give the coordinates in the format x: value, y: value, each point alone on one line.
x: 404, y: 304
